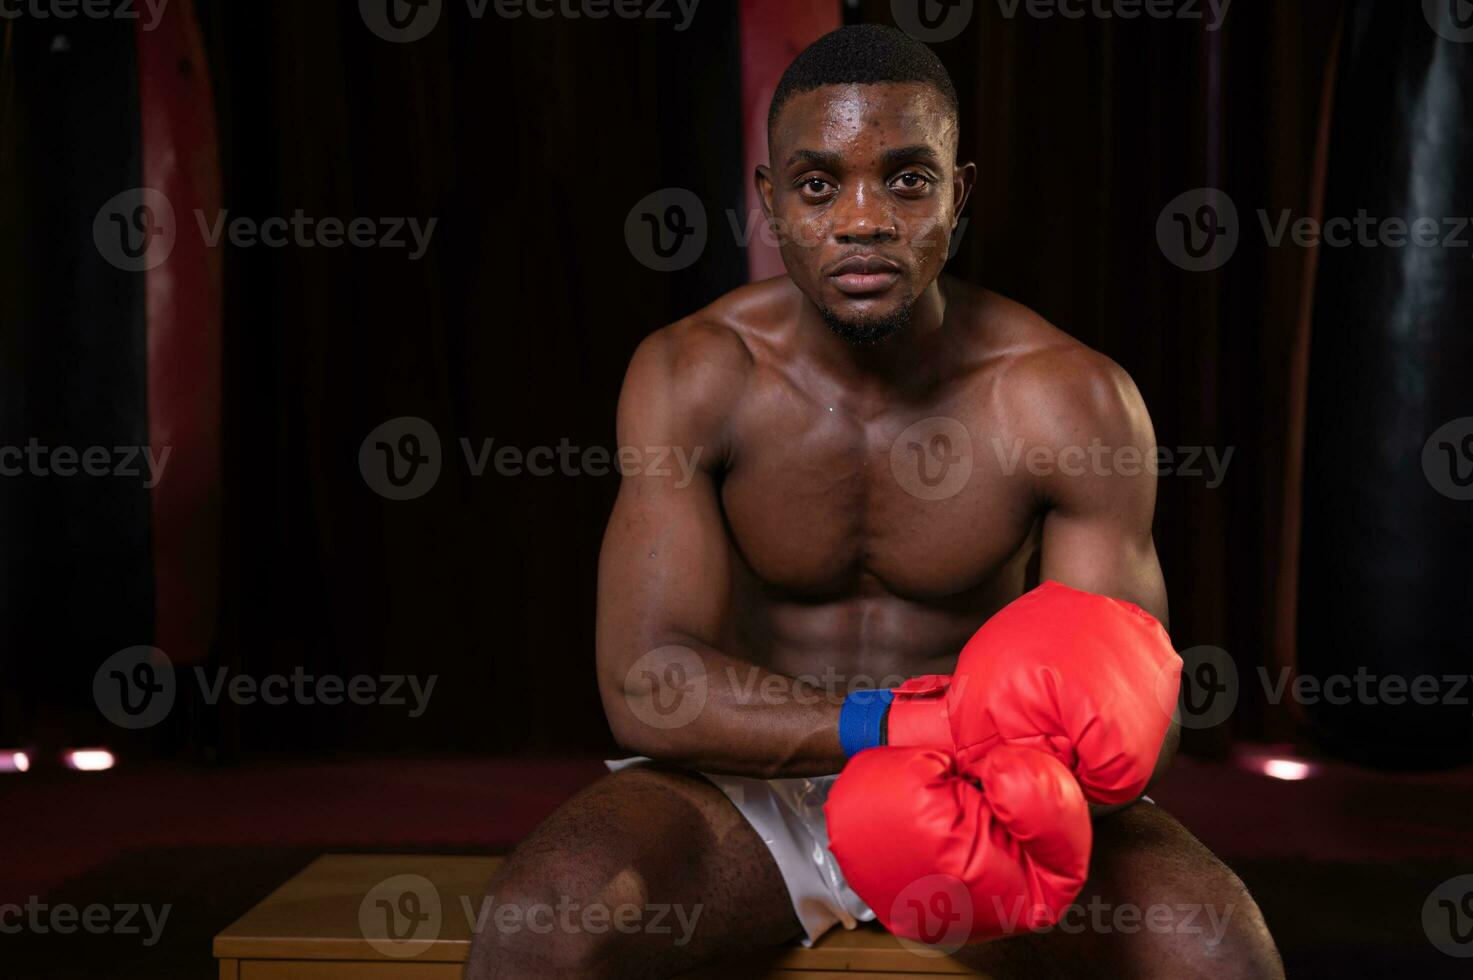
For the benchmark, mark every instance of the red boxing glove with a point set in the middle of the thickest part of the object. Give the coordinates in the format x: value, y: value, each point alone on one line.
x: 1088, y: 679
x: 970, y: 823
x: 948, y: 855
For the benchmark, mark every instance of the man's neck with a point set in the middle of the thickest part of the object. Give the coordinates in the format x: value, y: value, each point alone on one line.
x: 902, y: 363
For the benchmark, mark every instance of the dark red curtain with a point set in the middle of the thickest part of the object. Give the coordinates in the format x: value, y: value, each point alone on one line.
x: 529, y: 142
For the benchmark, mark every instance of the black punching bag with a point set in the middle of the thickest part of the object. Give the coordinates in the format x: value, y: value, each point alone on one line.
x: 1385, y: 591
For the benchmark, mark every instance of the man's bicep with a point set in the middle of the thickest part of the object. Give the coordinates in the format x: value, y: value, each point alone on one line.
x: 663, y: 569
x: 1097, y: 529
x: 1100, y: 553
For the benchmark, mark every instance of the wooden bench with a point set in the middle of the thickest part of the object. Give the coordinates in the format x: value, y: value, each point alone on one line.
x: 409, y: 917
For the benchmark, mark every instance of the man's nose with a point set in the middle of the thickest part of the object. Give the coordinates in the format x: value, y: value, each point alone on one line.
x: 863, y: 213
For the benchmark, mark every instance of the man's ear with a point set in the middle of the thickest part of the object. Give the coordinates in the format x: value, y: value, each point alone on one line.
x: 962, y: 183
x: 762, y: 179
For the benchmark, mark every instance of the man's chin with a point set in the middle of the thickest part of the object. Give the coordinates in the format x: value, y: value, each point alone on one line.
x: 867, y: 329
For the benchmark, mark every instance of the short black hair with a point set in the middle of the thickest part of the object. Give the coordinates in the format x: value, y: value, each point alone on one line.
x: 862, y: 54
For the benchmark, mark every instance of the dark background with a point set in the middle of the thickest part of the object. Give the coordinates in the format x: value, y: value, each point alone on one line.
x: 529, y: 141
x: 1327, y: 549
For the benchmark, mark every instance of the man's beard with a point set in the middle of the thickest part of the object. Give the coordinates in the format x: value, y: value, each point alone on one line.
x: 872, y: 331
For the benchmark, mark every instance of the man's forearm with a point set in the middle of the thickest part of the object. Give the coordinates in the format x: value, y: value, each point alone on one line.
x: 694, y: 706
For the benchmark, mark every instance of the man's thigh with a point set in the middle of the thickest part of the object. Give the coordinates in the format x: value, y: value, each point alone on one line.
x: 1157, y: 903
x: 646, y: 873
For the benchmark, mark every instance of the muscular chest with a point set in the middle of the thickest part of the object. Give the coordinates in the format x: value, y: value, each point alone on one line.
x: 917, y: 504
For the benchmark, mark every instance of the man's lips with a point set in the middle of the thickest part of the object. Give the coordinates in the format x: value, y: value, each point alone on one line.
x: 861, y: 275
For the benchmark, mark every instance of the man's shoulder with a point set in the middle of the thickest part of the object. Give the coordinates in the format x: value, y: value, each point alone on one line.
x: 702, y: 363
x: 715, y: 349
x: 1059, y: 388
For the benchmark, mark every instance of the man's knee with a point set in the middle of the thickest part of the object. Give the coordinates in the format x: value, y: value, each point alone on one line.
x: 540, y: 918
x: 1188, y: 914
x: 1217, y: 932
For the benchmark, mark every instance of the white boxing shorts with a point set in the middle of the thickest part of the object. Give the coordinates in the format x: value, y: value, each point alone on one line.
x: 788, y: 815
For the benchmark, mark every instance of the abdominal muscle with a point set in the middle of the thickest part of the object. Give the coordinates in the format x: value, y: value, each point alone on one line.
x: 857, y: 642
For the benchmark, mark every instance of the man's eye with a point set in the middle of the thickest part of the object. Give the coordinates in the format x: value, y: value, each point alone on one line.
x: 815, y: 185
x: 912, y: 181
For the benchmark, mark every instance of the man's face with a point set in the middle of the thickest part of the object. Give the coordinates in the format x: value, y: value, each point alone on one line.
x: 864, y: 194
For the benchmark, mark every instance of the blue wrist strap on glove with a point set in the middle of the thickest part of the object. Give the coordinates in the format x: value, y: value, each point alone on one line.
x: 861, y: 719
